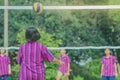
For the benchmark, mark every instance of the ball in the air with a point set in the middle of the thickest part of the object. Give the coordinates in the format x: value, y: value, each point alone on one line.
x: 38, y: 8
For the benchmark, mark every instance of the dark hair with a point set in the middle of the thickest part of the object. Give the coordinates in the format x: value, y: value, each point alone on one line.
x: 32, y: 34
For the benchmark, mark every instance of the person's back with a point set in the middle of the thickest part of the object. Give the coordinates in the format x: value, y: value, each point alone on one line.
x: 31, y: 57
x: 32, y: 62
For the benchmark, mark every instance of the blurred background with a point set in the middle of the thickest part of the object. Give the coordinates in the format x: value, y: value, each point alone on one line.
x: 66, y: 28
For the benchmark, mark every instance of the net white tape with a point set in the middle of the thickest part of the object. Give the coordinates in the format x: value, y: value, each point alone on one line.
x: 63, y: 7
x: 72, y: 48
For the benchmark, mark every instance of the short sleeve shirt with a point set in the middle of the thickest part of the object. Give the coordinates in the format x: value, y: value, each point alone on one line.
x: 66, y: 60
x: 108, y: 63
x: 31, y: 57
x: 4, y: 62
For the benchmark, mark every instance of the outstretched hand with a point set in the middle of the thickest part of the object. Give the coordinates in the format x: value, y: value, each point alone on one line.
x: 62, y: 63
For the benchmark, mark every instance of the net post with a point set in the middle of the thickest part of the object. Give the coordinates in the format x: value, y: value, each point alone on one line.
x: 6, y: 26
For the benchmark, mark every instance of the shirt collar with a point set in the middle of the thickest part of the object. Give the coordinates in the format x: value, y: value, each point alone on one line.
x: 2, y: 56
x: 109, y: 57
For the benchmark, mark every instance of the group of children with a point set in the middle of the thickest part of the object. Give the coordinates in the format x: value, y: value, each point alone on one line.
x: 31, y: 57
x: 5, y: 68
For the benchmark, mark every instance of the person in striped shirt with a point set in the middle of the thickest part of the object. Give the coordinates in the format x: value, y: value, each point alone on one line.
x: 31, y: 57
x: 64, y: 69
x: 109, y: 69
x: 5, y: 68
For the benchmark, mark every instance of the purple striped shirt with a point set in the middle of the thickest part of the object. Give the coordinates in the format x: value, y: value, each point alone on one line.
x: 31, y: 57
x: 66, y: 60
x: 4, y: 62
x: 108, y: 63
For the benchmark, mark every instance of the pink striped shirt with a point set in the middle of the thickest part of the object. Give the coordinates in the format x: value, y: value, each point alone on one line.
x: 31, y: 57
x: 66, y: 60
x: 4, y: 62
x: 108, y: 69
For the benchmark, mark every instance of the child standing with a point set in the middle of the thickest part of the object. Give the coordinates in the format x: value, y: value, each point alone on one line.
x: 64, y: 69
x: 109, y: 69
x: 5, y: 69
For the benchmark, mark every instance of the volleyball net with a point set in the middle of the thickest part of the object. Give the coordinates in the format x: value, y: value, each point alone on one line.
x: 63, y: 7
x: 75, y: 52
x: 72, y: 48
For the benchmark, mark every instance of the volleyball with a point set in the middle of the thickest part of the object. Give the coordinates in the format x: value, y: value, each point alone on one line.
x: 38, y: 8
